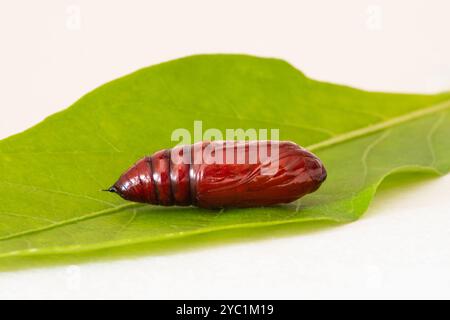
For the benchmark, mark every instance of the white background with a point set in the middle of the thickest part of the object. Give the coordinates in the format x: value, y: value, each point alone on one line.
x: 52, y: 52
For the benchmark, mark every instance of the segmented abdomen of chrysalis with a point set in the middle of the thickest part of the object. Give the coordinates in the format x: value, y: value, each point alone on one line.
x: 223, y: 174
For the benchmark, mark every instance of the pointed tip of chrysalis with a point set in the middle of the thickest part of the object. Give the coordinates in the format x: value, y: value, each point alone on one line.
x: 112, y: 189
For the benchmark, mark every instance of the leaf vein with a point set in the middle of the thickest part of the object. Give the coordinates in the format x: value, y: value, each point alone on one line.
x: 71, y: 221
x: 430, y: 137
x: 381, y: 126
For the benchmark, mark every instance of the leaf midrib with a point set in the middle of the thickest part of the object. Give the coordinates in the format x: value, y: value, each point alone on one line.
x: 380, y: 126
x: 321, y: 145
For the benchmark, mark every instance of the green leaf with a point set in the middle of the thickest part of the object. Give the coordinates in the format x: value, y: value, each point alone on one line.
x: 51, y: 207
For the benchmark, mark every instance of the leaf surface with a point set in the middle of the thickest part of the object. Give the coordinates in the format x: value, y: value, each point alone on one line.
x: 52, y: 174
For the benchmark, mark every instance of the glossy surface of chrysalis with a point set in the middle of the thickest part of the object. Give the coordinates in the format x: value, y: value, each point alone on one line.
x: 223, y: 174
